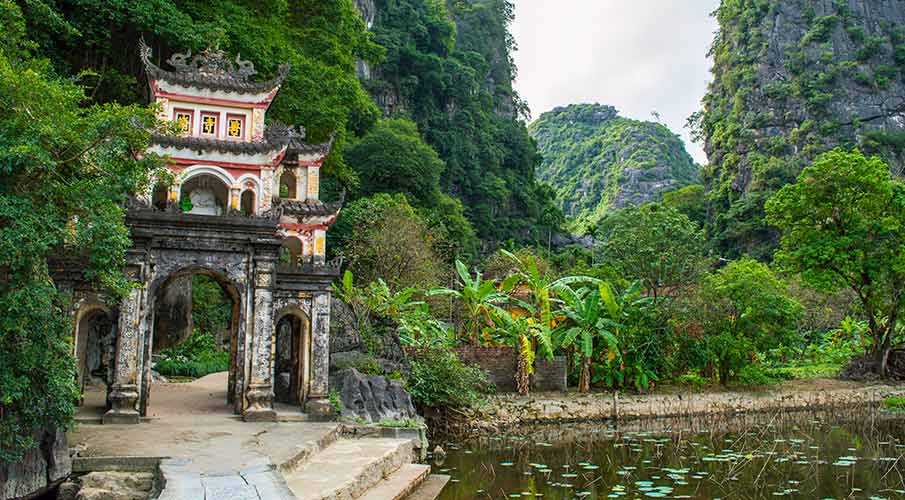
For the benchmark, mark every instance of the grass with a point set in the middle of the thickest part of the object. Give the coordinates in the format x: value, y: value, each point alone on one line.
x: 894, y: 404
x: 406, y: 423
x: 805, y: 372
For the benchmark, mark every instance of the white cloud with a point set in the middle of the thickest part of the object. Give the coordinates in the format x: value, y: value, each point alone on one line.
x: 637, y: 55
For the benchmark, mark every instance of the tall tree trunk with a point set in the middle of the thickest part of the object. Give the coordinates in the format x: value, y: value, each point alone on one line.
x: 584, y: 382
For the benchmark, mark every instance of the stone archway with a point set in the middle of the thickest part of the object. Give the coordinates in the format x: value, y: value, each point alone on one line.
x: 94, y: 349
x: 292, y: 362
x: 171, y: 324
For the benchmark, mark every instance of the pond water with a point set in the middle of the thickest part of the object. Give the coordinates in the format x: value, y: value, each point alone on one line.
x: 812, y: 456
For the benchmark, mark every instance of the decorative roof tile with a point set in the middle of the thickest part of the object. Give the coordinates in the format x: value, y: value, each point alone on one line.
x: 196, y: 143
x: 210, y: 69
x: 307, y: 208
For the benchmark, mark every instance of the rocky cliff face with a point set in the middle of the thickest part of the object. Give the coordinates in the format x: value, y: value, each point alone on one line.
x: 598, y: 161
x: 792, y: 79
x: 40, y: 469
x: 368, y: 11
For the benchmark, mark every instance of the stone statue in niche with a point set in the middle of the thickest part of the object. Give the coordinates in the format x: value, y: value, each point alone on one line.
x: 204, y: 202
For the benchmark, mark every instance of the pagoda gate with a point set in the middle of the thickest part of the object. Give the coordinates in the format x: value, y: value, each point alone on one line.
x: 242, y: 209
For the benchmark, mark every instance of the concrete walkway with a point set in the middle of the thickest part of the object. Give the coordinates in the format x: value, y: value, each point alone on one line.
x: 206, y: 452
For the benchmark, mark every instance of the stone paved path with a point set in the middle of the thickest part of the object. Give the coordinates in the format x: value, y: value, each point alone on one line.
x: 256, y: 483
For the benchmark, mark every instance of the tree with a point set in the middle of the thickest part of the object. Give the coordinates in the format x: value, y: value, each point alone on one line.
x: 392, y: 158
x: 96, y: 41
x: 382, y: 237
x: 743, y: 309
x: 66, y: 168
x: 584, y: 325
x: 843, y: 225
x: 656, y: 245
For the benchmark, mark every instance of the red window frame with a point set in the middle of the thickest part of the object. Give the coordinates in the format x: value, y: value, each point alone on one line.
x: 216, y: 117
x: 184, y: 111
x: 241, y: 119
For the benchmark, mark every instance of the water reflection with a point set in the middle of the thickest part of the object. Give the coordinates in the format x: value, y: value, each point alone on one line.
x: 793, y: 456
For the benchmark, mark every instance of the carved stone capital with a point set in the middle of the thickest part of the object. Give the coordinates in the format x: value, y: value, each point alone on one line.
x: 123, y: 400
x: 260, y: 404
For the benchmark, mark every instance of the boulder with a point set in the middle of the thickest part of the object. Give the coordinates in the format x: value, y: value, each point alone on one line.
x: 372, y: 398
x: 344, y: 335
x: 40, y: 469
x: 116, y: 486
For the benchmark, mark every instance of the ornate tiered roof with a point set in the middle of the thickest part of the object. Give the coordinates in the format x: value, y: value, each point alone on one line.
x: 306, y: 208
x: 211, y: 69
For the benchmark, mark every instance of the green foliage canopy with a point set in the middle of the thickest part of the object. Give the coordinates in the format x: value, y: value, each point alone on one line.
x: 65, y: 169
x: 392, y: 158
x: 843, y: 225
x: 655, y: 244
x: 744, y: 309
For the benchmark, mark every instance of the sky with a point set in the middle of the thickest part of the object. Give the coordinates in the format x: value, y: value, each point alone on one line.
x: 640, y: 56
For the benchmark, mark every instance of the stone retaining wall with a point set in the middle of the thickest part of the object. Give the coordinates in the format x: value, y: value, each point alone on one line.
x: 506, y: 411
x: 500, y: 365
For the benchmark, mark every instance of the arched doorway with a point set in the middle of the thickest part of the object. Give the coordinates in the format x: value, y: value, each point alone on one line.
x: 204, y: 194
x: 291, y: 251
x: 292, y: 363
x: 194, y: 340
x: 95, y: 353
x: 247, y: 202
x: 288, y: 186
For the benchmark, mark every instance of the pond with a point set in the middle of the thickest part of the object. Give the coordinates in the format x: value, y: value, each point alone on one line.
x: 798, y: 456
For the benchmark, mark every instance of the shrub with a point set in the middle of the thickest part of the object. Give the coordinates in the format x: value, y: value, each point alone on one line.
x: 195, y: 368
x: 754, y: 375
x: 336, y: 401
x: 439, y: 378
x: 196, y: 357
x: 364, y: 363
x: 692, y: 380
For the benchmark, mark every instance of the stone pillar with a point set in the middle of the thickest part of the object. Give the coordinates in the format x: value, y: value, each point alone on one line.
x: 260, y: 388
x: 124, y: 392
x: 301, y: 182
x: 234, y: 193
x: 318, y: 401
x: 266, y: 195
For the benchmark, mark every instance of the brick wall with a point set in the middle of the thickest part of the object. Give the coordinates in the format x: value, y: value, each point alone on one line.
x: 500, y: 365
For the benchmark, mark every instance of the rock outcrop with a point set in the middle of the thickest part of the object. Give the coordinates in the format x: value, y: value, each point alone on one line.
x: 793, y: 79
x: 598, y: 161
x: 372, y: 398
x: 109, y: 486
x: 359, y: 368
x: 41, y: 468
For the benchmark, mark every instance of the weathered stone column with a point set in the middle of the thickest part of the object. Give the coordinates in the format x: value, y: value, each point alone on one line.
x: 124, y: 392
x: 260, y: 387
x: 318, y: 401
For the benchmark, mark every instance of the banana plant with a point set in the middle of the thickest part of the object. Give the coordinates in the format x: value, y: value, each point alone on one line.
x: 523, y: 334
x: 585, y: 327
x: 540, y: 286
x: 479, y: 298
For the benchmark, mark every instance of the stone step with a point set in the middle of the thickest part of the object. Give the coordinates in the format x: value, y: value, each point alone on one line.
x: 430, y: 489
x: 348, y: 468
x: 399, y: 484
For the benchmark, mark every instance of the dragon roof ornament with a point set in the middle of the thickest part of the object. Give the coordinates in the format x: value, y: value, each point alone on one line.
x: 210, y: 69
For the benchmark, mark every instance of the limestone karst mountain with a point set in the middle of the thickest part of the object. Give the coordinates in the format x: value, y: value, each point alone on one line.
x: 793, y: 79
x: 598, y: 161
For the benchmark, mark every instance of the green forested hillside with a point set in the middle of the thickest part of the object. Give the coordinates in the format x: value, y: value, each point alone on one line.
x: 448, y: 68
x: 597, y: 161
